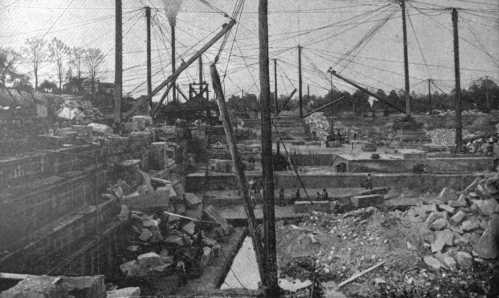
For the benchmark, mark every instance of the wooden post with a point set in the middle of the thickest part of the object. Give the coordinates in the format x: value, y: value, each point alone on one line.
x: 429, y: 95
x: 149, y: 67
x: 487, y: 95
x: 406, y: 61
x: 238, y: 167
x: 276, y: 102
x: 457, y: 73
x: 201, y: 75
x: 270, y: 279
x: 174, y: 90
x: 300, y: 83
x: 118, y: 62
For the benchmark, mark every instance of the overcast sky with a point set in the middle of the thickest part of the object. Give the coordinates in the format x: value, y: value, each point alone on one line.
x: 327, y: 30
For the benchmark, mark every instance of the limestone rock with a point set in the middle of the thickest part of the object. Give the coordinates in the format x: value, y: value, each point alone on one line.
x: 131, y: 292
x: 447, y: 260
x: 458, y: 217
x: 432, y: 262
x: 439, y: 224
x: 470, y: 225
x: 145, y: 235
x: 149, y: 260
x: 460, y: 202
x: 447, y: 194
x: 487, y: 247
x: 486, y: 207
x: 464, y: 259
x: 442, y: 238
x: 447, y: 208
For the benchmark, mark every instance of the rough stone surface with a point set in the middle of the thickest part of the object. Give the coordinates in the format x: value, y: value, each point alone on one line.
x: 438, y: 224
x: 458, y: 217
x: 442, y: 238
x: 131, y: 292
x: 486, y: 207
x: 487, y: 247
x: 464, y: 259
x: 432, y: 262
x: 447, y: 194
x: 470, y: 225
x: 145, y: 235
x: 446, y: 260
x: 149, y: 260
x: 447, y: 208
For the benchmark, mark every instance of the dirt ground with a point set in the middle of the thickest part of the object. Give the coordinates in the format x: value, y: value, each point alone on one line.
x: 344, y: 244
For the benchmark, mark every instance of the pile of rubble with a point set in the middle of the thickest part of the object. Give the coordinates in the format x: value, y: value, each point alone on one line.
x: 180, y: 238
x: 461, y: 226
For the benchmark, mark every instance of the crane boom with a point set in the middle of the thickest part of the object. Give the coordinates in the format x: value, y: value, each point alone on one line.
x: 367, y: 91
x: 225, y: 28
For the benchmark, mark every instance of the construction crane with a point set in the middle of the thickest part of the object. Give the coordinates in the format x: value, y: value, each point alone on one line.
x: 168, y: 82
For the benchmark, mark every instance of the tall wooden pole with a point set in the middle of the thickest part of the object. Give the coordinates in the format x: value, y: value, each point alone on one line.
x: 200, y: 75
x: 149, y: 65
x: 487, y: 95
x: 300, y: 82
x: 238, y: 167
x: 276, y: 102
x: 457, y: 73
x: 429, y: 95
x: 406, y: 61
x: 174, y: 90
x: 270, y: 278
x: 118, y: 62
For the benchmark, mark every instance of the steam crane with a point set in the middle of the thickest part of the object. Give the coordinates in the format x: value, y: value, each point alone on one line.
x: 169, y: 82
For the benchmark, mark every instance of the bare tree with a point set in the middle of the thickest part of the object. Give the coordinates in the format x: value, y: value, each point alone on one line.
x: 94, y: 59
x: 8, y: 60
x: 59, y: 52
x: 77, y: 55
x: 35, y: 52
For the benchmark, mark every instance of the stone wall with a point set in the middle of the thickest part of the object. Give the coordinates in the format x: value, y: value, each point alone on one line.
x: 419, y: 182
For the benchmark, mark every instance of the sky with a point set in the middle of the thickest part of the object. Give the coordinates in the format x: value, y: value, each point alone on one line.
x: 361, y: 39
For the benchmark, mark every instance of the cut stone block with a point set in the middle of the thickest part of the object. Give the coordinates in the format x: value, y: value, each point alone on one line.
x: 367, y: 200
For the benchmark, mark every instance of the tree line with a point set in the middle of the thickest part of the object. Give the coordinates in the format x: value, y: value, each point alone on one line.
x: 71, y: 64
x: 482, y: 95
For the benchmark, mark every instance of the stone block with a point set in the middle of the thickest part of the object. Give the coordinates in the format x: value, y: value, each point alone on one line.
x: 438, y: 224
x: 149, y: 260
x: 433, y: 263
x: 442, y: 238
x: 487, y: 247
x: 458, y: 217
x: 192, y: 200
x: 464, y: 259
x: 212, y: 214
x: 132, y: 292
x: 470, y: 224
x: 486, y: 207
x: 367, y: 200
x: 301, y: 206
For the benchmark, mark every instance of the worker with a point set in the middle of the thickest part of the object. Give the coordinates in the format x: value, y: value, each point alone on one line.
x: 325, y: 195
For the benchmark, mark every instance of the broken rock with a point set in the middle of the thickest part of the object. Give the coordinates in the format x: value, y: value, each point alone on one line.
x: 442, y: 238
x: 487, y: 247
x: 486, y: 207
x: 446, y: 260
x: 470, y: 225
x: 447, y: 208
x: 191, y: 200
x: 447, y: 194
x: 464, y: 259
x: 458, y: 217
x: 439, y: 224
x: 432, y: 262
x: 145, y: 235
x: 124, y: 293
x: 149, y: 260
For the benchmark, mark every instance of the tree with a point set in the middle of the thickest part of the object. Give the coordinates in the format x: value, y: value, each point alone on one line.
x: 8, y: 60
x: 94, y: 59
x: 59, y: 52
x: 35, y: 52
x: 77, y: 54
